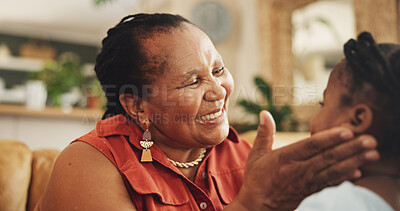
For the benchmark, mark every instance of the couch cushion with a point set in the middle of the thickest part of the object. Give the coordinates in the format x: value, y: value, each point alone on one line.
x: 15, y: 176
x: 42, y: 166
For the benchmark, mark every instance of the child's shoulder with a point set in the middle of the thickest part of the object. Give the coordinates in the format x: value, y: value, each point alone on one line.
x: 346, y: 196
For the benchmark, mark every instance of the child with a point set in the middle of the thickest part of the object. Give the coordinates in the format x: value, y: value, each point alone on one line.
x: 363, y: 94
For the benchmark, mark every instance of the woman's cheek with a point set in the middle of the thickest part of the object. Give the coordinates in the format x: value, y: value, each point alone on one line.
x: 228, y: 84
x: 189, y: 97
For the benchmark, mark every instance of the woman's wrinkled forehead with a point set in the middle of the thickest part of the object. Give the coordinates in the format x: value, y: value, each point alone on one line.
x: 182, y: 49
x: 179, y: 43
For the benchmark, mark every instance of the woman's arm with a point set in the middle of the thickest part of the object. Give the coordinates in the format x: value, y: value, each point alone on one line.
x: 281, y: 179
x: 84, y: 179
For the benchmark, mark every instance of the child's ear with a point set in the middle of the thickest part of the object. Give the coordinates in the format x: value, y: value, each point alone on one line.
x: 360, y: 119
x: 131, y: 104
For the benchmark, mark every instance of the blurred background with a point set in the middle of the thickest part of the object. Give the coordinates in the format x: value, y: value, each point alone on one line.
x: 280, y: 53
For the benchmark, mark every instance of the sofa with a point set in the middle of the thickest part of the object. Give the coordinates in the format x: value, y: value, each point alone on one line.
x: 24, y: 174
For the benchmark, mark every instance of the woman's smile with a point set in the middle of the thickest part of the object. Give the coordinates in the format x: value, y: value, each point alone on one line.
x: 213, y: 118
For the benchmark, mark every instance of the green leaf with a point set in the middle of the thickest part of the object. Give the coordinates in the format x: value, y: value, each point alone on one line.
x: 323, y: 21
x: 60, y: 76
x: 251, y: 107
x: 282, y: 114
x: 285, y: 110
x: 264, y: 88
x: 101, y: 2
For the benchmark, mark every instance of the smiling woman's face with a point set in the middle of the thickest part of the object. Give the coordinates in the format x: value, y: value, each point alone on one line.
x: 188, y: 104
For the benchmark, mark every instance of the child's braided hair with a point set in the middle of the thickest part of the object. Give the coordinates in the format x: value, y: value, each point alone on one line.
x: 377, y: 66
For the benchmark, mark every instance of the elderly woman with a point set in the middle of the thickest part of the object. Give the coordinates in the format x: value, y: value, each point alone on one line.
x: 165, y: 141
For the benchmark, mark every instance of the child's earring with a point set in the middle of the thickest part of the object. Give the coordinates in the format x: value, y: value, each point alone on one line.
x: 146, y: 143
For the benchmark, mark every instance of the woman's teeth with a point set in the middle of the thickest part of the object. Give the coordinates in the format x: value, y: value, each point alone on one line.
x: 211, y: 116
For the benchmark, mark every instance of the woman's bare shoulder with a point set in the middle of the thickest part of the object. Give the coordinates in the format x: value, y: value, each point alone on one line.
x: 84, y: 179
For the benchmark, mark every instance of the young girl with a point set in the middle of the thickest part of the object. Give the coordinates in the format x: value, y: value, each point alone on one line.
x: 363, y: 94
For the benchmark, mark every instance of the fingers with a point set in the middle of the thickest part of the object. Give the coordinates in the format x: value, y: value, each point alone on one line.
x: 343, y: 151
x: 334, y: 182
x: 265, y: 133
x: 340, y: 163
x: 345, y: 169
x: 354, y: 175
x: 318, y: 142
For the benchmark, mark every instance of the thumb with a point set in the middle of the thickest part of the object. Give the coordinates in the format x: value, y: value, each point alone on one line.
x: 265, y: 133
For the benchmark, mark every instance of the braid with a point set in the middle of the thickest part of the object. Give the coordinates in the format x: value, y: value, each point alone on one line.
x: 370, y: 65
x: 122, y: 61
x: 378, y: 66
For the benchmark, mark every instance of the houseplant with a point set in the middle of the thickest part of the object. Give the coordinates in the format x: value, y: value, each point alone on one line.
x: 282, y: 114
x: 61, y: 76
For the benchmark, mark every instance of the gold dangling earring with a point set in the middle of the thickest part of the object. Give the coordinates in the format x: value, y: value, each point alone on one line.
x: 146, y: 143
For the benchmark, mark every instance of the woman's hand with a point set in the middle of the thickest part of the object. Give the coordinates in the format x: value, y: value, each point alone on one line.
x: 282, y: 178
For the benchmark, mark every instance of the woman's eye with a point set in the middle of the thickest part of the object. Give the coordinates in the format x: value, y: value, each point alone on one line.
x: 219, y: 71
x: 194, y: 83
x: 321, y: 103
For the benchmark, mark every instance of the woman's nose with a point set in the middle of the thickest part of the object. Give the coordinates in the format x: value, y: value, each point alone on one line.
x: 215, y: 92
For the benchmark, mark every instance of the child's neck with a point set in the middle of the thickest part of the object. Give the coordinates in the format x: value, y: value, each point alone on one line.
x: 383, y: 178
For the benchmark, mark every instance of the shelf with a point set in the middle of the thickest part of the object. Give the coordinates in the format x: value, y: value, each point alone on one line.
x: 35, y: 65
x: 21, y: 64
x: 83, y: 114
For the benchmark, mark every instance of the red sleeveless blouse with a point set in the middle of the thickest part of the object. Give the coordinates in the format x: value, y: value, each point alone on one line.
x: 159, y: 185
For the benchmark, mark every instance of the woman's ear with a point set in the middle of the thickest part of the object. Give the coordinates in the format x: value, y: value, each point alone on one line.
x: 361, y: 117
x: 131, y: 104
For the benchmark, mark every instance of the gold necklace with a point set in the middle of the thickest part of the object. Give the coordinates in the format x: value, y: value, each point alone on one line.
x: 191, y: 163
